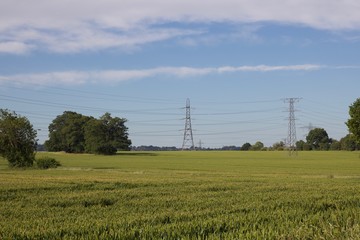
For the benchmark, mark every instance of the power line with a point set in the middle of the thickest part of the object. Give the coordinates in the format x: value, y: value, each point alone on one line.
x: 90, y: 95
x: 59, y: 105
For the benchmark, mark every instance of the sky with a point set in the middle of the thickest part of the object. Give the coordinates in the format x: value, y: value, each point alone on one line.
x: 236, y: 60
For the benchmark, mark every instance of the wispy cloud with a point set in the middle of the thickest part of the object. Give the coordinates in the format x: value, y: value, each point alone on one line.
x: 92, y: 25
x: 85, y: 38
x: 348, y: 67
x: 246, y: 33
x: 81, y: 77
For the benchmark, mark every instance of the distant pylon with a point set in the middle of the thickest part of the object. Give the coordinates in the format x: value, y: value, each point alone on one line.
x: 200, y: 144
x: 291, y: 138
x: 188, y: 141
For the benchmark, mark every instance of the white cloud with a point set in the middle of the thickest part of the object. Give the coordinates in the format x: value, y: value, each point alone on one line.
x: 247, y: 33
x: 14, y: 47
x: 266, y: 68
x: 86, y: 38
x: 77, y: 25
x: 79, y: 77
x: 125, y: 14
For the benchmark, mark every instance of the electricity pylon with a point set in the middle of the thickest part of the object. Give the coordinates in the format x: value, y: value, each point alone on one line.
x: 291, y: 138
x: 188, y: 142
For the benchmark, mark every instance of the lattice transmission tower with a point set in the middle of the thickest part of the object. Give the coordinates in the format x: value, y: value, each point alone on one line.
x: 188, y: 142
x: 291, y: 138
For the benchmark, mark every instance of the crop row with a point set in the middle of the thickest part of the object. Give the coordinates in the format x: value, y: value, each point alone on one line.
x: 198, y: 208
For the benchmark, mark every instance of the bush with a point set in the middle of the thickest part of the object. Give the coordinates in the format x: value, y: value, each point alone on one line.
x: 47, y: 162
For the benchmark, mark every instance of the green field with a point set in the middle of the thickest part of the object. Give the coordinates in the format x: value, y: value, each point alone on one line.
x: 184, y: 195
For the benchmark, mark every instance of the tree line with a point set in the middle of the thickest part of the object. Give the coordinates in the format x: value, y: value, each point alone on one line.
x: 317, y: 139
x: 73, y: 132
x: 70, y: 132
x: 76, y: 133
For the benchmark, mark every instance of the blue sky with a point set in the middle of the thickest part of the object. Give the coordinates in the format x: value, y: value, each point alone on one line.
x: 235, y: 60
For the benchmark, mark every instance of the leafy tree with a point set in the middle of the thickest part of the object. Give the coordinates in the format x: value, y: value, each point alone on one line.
x: 106, y: 135
x: 66, y: 133
x: 301, y: 145
x: 279, y: 146
x: 257, y: 146
x: 354, y: 121
x: 17, y: 139
x: 335, y: 145
x: 245, y: 147
x: 348, y: 143
x: 318, y: 139
x: 75, y: 133
x: 117, y: 132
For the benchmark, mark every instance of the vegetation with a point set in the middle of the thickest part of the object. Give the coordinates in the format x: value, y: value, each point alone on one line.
x: 257, y: 146
x: 75, y: 133
x: 106, y: 135
x: 184, y: 195
x: 17, y: 139
x: 47, y: 162
x: 245, y: 147
x: 349, y: 143
x: 318, y: 139
x: 354, y: 121
x: 66, y: 133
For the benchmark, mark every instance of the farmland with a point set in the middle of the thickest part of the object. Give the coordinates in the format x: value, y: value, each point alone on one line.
x: 184, y: 195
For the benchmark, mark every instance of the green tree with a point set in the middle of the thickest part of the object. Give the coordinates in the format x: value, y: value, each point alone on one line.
x: 318, y: 139
x: 300, y: 145
x: 106, y: 135
x: 348, y: 143
x: 353, y: 122
x: 17, y: 139
x: 66, y: 133
x: 279, y: 146
x: 257, y: 146
x: 245, y: 147
x: 117, y: 132
x: 335, y: 145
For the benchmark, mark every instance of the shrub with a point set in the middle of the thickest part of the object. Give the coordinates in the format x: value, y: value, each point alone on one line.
x: 47, y: 162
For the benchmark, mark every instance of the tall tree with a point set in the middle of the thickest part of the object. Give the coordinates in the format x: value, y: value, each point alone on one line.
x: 335, y: 145
x: 106, y: 135
x: 279, y: 146
x: 17, y: 139
x: 66, y: 133
x: 300, y: 145
x: 245, y: 147
x: 257, y: 146
x: 96, y: 138
x: 354, y: 121
x: 117, y: 132
x: 318, y: 139
x: 349, y: 143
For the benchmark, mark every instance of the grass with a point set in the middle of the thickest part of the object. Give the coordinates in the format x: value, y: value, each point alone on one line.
x: 184, y: 195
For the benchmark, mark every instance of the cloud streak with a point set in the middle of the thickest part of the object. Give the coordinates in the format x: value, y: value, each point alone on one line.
x: 94, y: 25
x: 23, y: 40
x: 114, y: 76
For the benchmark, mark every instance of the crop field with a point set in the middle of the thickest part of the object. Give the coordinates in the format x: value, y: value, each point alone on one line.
x: 184, y: 195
